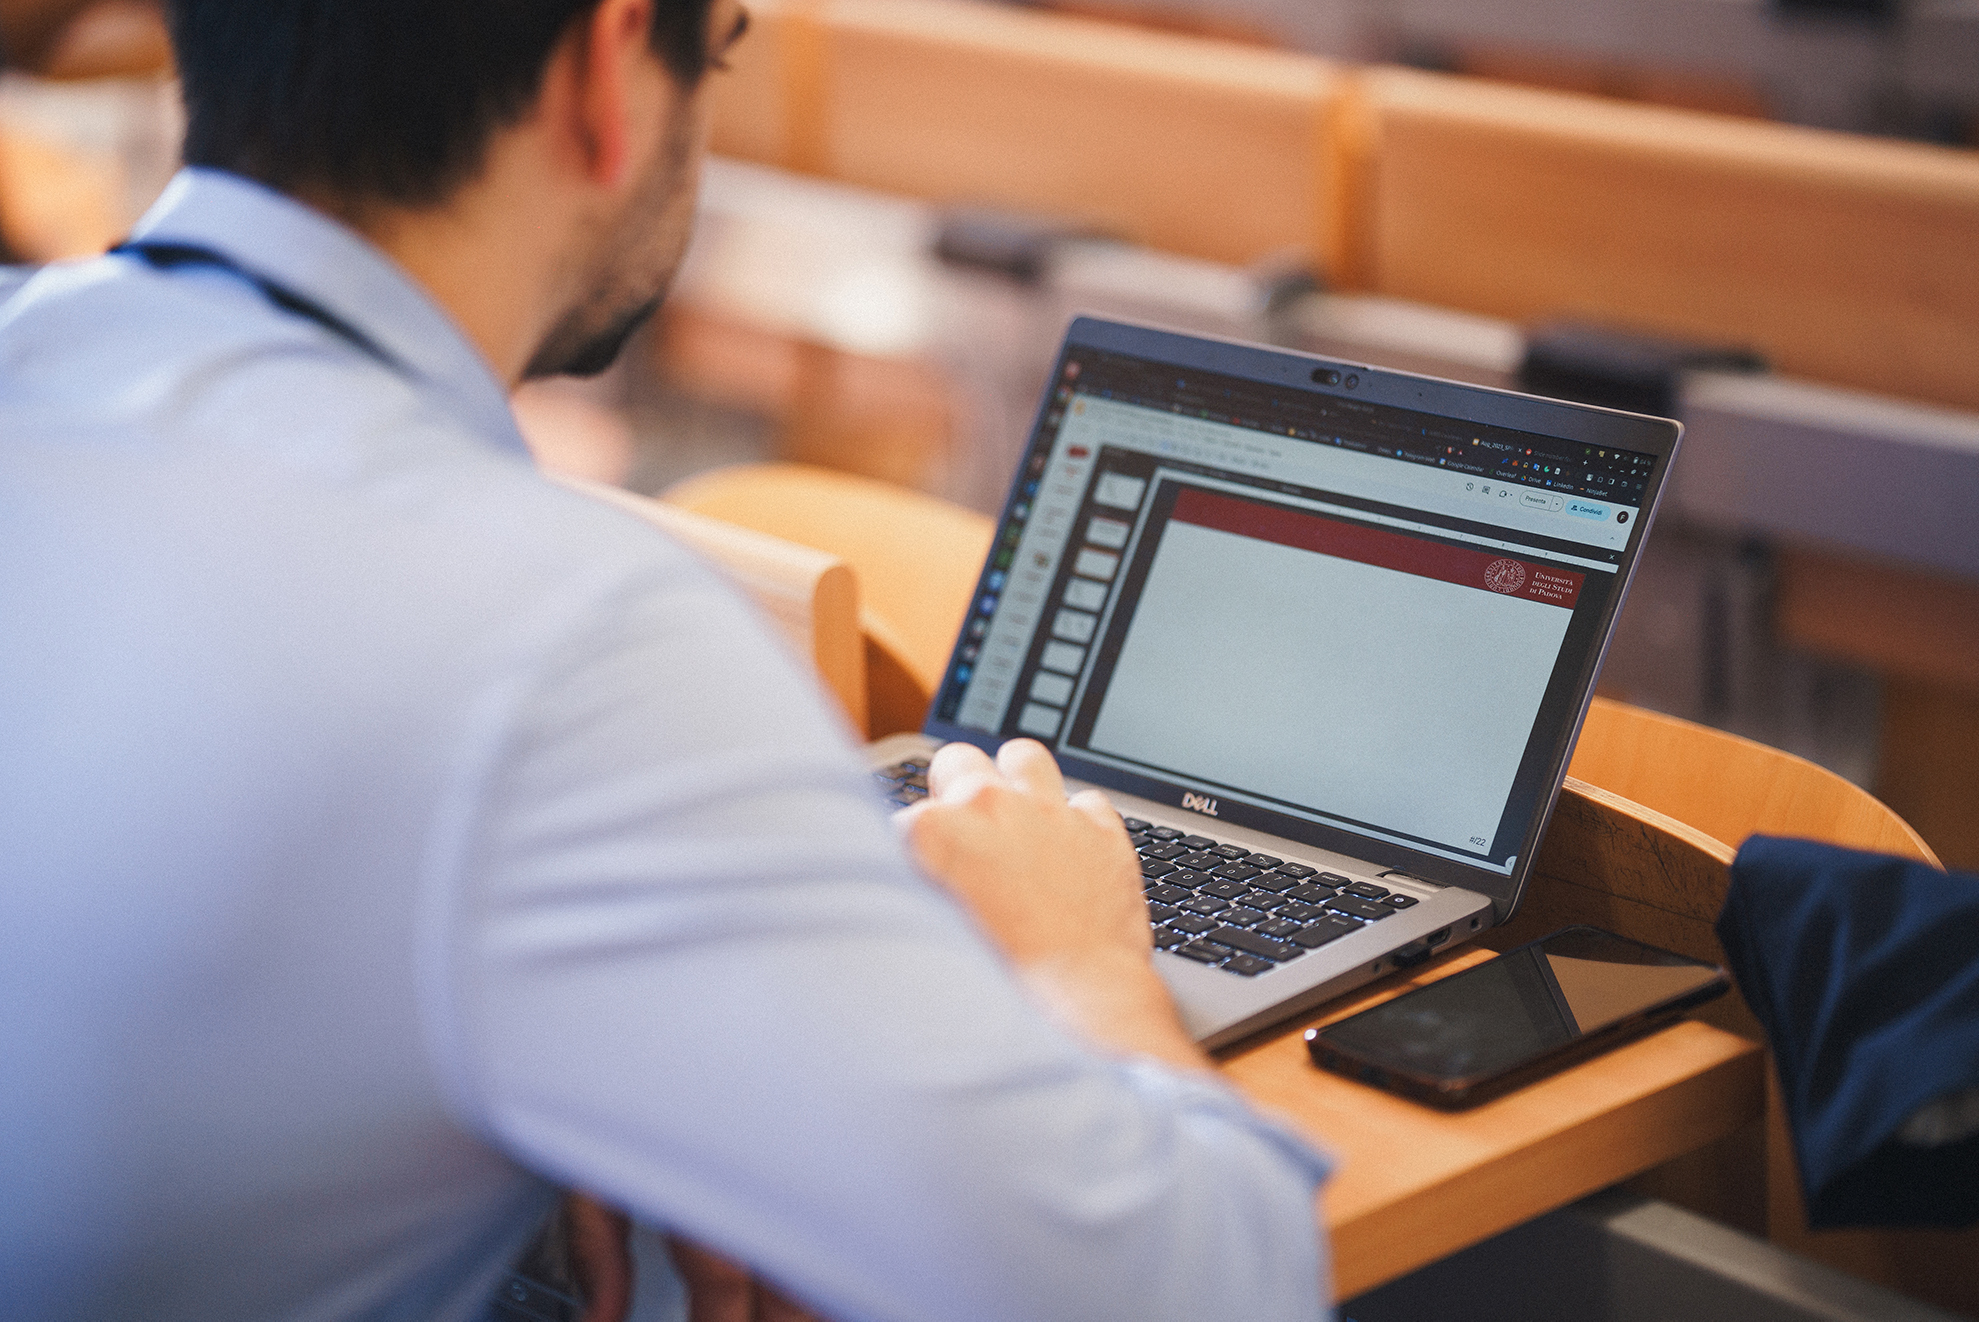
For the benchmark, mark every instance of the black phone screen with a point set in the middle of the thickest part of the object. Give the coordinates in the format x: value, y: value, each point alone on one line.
x: 1527, y: 1004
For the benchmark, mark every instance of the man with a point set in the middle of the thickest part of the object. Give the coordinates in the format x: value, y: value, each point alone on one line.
x: 387, y: 835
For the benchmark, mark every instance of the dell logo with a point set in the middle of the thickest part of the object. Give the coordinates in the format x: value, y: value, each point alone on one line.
x: 1201, y: 803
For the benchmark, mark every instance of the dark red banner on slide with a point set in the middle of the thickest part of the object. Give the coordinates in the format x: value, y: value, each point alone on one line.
x: 1487, y: 571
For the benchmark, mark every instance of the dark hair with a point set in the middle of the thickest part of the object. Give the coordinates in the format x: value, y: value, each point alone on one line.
x: 387, y: 100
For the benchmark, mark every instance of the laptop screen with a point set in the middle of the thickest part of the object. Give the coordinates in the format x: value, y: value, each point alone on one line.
x: 1295, y: 607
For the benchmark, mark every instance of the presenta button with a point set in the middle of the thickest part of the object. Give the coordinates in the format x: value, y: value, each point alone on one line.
x: 1587, y: 509
x: 1539, y: 500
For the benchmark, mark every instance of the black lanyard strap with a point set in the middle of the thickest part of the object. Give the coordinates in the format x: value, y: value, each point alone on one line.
x: 171, y: 256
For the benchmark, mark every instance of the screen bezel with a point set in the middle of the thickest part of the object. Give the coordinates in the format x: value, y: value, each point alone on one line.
x: 1291, y: 370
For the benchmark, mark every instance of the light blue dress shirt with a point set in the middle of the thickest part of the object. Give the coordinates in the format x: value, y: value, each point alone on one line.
x: 387, y: 833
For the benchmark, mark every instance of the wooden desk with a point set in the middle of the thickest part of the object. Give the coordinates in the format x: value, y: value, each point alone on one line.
x: 1414, y: 1184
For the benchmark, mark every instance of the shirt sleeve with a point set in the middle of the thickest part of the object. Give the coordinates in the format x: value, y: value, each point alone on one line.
x: 1861, y: 968
x: 689, y: 968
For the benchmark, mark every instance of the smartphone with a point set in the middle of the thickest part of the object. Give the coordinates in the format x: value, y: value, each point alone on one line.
x: 1533, y: 1010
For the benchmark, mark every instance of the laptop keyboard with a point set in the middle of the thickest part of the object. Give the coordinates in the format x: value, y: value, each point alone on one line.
x: 1221, y: 904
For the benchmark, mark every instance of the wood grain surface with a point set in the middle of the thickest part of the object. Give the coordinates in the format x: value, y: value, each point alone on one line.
x: 916, y: 559
x: 1841, y: 258
x: 1726, y: 788
x: 1415, y: 1184
x: 811, y: 596
x: 1210, y: 148
x: 1845, y: 259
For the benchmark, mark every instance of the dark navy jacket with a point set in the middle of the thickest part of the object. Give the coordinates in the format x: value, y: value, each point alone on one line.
x: 1864, y: 971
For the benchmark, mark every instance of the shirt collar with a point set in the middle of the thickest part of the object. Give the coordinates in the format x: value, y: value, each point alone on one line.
x: 306, y: 252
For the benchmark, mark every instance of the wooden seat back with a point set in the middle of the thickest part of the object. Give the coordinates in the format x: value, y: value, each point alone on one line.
x: 1641, y: 843
x: 1651, y: 816
x: 811, y: 596
x: 1209, y: 148
x: 916, y: 557
x: 1842, y: 258
x: 1728, y: 787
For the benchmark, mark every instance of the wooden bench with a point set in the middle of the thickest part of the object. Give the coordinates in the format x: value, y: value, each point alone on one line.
x: 1846, y: 259
x: 1200, y: 147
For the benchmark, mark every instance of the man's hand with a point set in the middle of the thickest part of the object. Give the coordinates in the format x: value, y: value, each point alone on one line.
x: 1053, y: 882
x: 600, y: 1257
x: 719, y: 1290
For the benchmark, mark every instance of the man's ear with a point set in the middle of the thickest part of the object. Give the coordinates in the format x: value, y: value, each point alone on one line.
x: 612, y: 61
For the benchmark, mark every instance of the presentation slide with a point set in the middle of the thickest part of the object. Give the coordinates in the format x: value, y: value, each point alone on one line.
x: 1360, y: 672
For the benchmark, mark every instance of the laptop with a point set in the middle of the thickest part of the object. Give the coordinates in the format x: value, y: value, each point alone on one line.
x: 1323, y: 633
